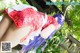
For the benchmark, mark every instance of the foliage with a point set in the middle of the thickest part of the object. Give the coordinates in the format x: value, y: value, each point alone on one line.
x: 74, y: 15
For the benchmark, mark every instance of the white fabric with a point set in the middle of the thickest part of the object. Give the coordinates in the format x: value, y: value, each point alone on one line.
x: 35, y: 33
x: 20, y: 7
x: 1, y: 18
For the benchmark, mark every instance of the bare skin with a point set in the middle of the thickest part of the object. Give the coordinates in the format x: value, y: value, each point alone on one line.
x: 15, y: 34
x: 4, y: 25
x: 9, y: 32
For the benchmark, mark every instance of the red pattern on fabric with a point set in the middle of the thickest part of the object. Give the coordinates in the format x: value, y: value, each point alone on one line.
x: 26, y: 17
x: 25, y: 37
x: 30, y: 17
x: 50, y: 20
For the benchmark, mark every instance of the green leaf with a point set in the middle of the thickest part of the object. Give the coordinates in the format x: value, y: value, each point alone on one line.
x: 38, y: 51
x: 2, y: 5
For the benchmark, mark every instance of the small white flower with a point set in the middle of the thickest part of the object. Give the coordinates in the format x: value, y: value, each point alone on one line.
x: 10, y: 1
x: 53, y: 0
x: 32, y: 51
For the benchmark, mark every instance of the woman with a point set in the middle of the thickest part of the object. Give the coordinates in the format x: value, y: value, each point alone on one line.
x: 23, y: 22
x: 9, y: 31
